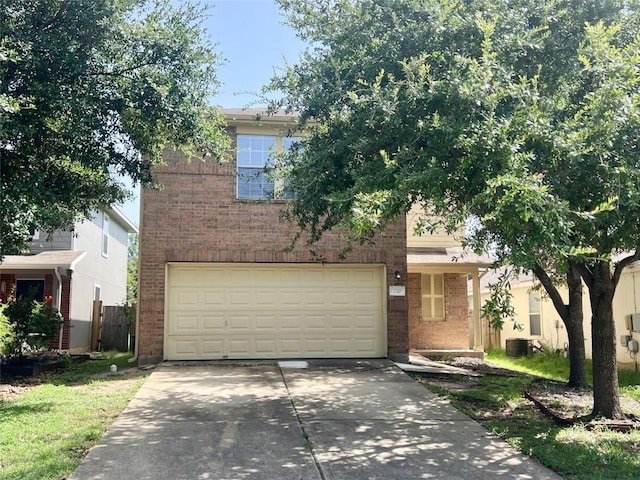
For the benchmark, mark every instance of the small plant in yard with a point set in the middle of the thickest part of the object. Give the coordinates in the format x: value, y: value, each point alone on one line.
x: 30, y: 323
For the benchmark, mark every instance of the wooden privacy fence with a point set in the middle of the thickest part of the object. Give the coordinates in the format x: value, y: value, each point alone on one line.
x: 490, y: 335
x: 112, y: 327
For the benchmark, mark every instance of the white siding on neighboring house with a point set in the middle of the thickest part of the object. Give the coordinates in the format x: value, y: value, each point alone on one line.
x: 108, y: 272
x: 59, y: 240
x: 553, y: 332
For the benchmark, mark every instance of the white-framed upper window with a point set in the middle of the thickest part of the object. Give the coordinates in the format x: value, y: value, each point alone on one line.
x: 105, y: 234
x: 34, y: 233
x: 433, y: 296
x: 97, y: 292
x: 257, y: 177
x: 535, y: 320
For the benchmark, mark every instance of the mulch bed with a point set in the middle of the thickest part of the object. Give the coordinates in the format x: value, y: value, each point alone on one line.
x: 566, y: 406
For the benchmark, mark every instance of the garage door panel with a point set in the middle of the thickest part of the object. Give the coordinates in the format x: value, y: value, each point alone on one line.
x: 184, y: 324
x: 264, y: 275
x: 339, y: 298
x: 292, y: 297
x: 186, y: 347
x: 288, y: 322
x: 364, y: 345
x: 212, y: 298
x: 239, y: 347
x: 241, y: 298
x: 186, y: 298
x: 274, y: 311
x: 239, y: 322
x: 266, y: 322
x: 213, y: 349
x: 314, y: 322
x: 184, y: 277
x: 316, y: 346
x: 315, y: 298
x: 363, y: 298
x: 340, y: 322
x: 265, y: 347
x: 265, y: 298
x: 290, y: 277
x: 213, y: 323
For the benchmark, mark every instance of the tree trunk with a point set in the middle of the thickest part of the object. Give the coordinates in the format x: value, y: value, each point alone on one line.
x: 572, y: 317
x: 606, y: 397
x: 575, y: 331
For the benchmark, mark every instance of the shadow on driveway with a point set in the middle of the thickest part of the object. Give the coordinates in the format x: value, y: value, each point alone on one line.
x: 343, y: 420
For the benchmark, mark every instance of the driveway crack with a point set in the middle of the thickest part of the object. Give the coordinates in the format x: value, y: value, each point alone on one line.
x: 307, y: 441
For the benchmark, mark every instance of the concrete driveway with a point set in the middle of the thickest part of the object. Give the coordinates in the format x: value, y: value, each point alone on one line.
x: 321, y: 420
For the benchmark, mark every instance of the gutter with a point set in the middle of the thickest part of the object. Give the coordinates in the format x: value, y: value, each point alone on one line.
x: 59, y: 304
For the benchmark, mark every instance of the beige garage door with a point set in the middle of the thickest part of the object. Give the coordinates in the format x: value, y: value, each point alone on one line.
x: 255, y: 311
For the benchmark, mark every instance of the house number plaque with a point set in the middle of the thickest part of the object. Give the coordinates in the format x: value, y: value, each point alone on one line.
x: 397, y: 291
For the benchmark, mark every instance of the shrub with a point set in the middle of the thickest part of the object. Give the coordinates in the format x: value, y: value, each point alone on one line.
x: 6, y: 335
x: 30, y: 323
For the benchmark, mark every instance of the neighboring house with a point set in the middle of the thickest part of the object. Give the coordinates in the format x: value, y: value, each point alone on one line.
x: 74, y: 268
x: 217, y: 280
x: 540, y: 322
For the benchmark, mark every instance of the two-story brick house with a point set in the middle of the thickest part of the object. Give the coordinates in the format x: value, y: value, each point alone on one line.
x: 217, y: 281
x: 75, y: 268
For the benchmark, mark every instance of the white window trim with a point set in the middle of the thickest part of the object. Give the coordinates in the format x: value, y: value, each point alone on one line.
x: 278, y: 183
x: 97, y: 288
x: 33, y: 279
x: 106, y: 226
x: 431, y: 297
x: 533, y: 312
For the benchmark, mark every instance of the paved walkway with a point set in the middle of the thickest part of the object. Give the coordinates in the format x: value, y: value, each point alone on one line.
x: 342, y: 420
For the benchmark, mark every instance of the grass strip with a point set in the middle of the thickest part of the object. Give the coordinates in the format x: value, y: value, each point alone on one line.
x: 574, y: 452
x: 45, y: 433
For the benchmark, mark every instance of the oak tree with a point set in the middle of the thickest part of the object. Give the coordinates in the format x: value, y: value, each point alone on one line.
x: 90, y: 91
x: 521, y: 115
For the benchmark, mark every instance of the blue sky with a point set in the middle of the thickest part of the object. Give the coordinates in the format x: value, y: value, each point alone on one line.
x: 251, y: 37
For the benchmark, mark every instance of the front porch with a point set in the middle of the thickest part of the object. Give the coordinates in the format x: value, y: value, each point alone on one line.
x: 444, y: 322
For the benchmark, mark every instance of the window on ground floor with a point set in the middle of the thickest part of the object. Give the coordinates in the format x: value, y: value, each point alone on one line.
x: 535, y: 324
x: 432, y: 296
x: 33, y: 288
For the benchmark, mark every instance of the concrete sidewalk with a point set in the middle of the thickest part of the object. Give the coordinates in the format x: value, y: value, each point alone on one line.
x: 343, y: 420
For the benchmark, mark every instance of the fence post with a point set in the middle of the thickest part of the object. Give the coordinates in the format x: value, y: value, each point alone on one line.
x: 95, y: 324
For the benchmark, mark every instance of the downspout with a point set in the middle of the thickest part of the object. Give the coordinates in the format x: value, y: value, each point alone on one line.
x: 59, y: 305
x: 136, y: 349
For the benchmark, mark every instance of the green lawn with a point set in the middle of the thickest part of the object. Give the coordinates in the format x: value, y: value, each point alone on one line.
x: 574, y: 452
x: 45, y: 433
x: 556, y: 367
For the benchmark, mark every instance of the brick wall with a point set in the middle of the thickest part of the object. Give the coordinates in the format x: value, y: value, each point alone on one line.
x: 450, y: 334
x: 196, y: 218
x: 9, y: 280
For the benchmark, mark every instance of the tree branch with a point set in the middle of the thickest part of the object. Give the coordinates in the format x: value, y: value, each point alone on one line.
x: 120, y: 73
x: 552, y: 291
x: 620, y: 266
x: 55, y: 21
x: 585, y: 273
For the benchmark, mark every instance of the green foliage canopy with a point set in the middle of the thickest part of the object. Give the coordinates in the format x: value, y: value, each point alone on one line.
x: 520, y: 115
x: 91, y: 90
x: 511, y: 112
